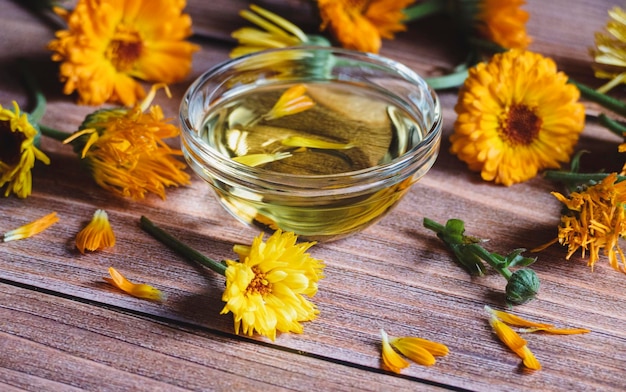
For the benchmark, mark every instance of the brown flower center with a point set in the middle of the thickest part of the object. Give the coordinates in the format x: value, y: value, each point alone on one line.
x: 125, y: 48
x: 259, y: 284
x: 10, y: 144
x: 521, y: 125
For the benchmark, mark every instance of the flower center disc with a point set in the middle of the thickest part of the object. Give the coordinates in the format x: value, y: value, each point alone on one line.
x: 259, y: 284
x: 10, y: 144
x: 125, y: 48
x: 521, y: 125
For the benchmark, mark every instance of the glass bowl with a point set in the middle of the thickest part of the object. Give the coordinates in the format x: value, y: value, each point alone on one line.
x: 318, y: 141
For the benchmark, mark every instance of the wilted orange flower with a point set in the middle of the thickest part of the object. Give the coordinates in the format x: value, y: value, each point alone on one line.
x: 139, y: 290
x: 32, y: 228
x: 595, y: 220
x: 17, y: 151
x: 516, y: 115
x: 97, y: 235
x: 109, y: 43
x: 124, y: 151
x: 361, y: 24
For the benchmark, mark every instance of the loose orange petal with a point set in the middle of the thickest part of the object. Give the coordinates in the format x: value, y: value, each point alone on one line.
x: 529, y: 359
x: 557, y: 331
x: 32, y: 228
x: 138, y: 290
x: 391, y: 359
x: 294, y: 100
x: 507, y: 335
x: 414, y: 351
x: 97, y: 235
x: 512, y: 319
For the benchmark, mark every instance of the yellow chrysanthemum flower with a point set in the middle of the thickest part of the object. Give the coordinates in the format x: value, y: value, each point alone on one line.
x: 32, y: 228
x: 361, y: 24
x: 109, y: 43
x: 139, y: 290
x: 97, y: 235
x: 595, y: 220
x: 419, y: 350
x: 516, y: 115
x: 266, y: 289
x: 610, y: 51
x: 275, y: 32
x: 17, y: 151
x: 124, y: 151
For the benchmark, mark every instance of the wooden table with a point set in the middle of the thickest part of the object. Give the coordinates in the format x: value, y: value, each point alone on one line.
x: 62, y: 328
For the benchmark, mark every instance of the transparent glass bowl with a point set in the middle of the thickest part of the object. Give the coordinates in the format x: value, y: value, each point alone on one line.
x: 358, y: 91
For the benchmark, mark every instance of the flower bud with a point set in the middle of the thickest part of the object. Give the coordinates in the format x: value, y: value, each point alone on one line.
x: 522, y: 287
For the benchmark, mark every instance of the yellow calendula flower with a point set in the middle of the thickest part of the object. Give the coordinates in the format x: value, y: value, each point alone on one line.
x: 97, y: 235
x: 273, y: 32
x: 595, y: 220
x: 125, y: 152
x: 17, y: 152
x: 609, y: 53
x: 516, y: 116
x: 266, y: 290
x: 419, y: 350
x: 110, y: 43
x: 32, y: 228
x: 361, y: 24
x: 139, y: 290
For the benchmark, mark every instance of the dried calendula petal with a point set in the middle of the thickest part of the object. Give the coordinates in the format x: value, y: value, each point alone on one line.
x: 139, y: 290
x: 512, y: 319
x: 253, y: 160
x: 32, y: 228
x: 299, y: 141
x: 294, y: 100
x: 556, y: 331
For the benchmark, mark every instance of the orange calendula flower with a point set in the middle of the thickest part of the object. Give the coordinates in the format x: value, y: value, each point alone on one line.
x: 361, y: 24
x: 516, y: 115
x: 294, y: 100
x: 501, y: 21
x: 419, y: 350
x: 97, y: 235
x: 595, y: 220
x: 32, y: 228
x: 266, y: 290
x: 610, y: 52
x: 110, y: 43
x: 139, y: 290
x: 124, y: 151
x: 17, y: 151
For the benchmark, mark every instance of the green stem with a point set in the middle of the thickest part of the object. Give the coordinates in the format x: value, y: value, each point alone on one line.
x: 614, y: 126
x: 608, y: 102
x: 53, y: 133
x: 424, y: 9
x: 33, y: 88
x: 184, y: 250
x: 451, y: 80
x: 434, y: 226
x: 489, y: 258
x: 578, y: 177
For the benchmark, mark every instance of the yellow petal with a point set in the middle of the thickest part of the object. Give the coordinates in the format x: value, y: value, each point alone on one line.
x: 142, y: 291
x: 97, y: 235
x: 507, y: 335
x: 299, y: 141
x: 291, y: 102
x: 391, y: 359
x: 253, y: 160
x: 413, y: 351
x: 436, y: 349
x: 512, y: 319
x: 557, y: 331
x: 31, y: 228
x: 529, y: 359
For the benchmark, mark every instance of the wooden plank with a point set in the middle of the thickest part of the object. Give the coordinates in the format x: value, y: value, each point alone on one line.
x: 53, y: 343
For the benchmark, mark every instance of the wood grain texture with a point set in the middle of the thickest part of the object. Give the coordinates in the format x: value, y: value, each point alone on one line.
x: 62, y: 328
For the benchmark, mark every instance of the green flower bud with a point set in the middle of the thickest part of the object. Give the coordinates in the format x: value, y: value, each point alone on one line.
x: 522, y: 287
